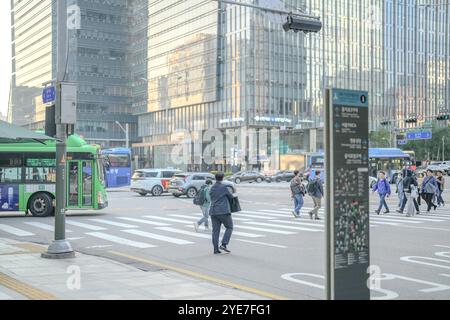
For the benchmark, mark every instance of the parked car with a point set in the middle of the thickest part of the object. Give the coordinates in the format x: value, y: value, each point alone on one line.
x: 188, y: 184
x: 444, y: 166
x: 247, y: 176
x: 152, y: 181
x: 281, y: 176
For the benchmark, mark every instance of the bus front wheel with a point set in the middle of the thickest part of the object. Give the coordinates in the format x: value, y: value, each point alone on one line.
x: 40, y: 205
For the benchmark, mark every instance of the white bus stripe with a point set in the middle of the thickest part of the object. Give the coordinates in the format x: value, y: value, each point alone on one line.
x: 15, y: 231
x: 119, y: 240
x: 153, y: 223
x: 188, y: 233
x: 112, y: 223
x: 283, y: 227
x: 85, y: 226
x: 157, y: 237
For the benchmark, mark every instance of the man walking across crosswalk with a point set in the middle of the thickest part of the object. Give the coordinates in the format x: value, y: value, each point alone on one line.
x: 315, y: 191
x: 220, y: 213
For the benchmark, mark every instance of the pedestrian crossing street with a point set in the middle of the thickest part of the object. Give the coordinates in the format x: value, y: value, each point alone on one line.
x: 264, y: 227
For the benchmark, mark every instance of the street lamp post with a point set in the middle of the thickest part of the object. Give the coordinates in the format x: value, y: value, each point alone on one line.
x: 126, y: 130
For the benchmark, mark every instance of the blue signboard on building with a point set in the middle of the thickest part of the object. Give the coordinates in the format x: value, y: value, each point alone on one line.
x: 402, y: 142
x: 421, y: 135
x: 49, y: 95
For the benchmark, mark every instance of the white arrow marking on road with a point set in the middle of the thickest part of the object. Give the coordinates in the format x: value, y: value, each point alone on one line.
x: 283, y: 227
x: 119, y: 240
x: 157, y: 237
x: 85, y: 226
x: 159, y: 224
x: 112, y: 223
x: 290, y: 277
x: 15, y: 231
x: 44, y: 226
x: 188, y: 233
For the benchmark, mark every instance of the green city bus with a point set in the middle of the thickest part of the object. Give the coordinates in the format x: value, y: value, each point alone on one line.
x: 28, y: 177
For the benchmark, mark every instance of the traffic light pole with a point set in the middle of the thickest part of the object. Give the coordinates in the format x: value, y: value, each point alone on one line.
x: 60, y: 248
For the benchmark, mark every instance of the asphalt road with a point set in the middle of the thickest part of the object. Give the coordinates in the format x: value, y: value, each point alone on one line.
x: 271, y: 251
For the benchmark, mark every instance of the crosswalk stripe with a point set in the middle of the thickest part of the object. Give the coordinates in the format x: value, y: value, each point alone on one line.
x: 157, y: 237
x: 120, y: 240
x: 167, y: 219
x: 394, y: 220
x: 85, y: 226
x: 197, y: 217
x: 153, y: 223
x: 385, y: 223
x: 237, y: 233
x: 112, y: 223
x: 440, y: 216
x: 265, y: 230
x: 283, y: 227
x: 416, y: 218
x: 254, y: 216
x: 44, y: 226
x: 274, y: 213
x: 15, y: 231
x: 187, y: 233
x: 262, y: 243
x: 319, y: 224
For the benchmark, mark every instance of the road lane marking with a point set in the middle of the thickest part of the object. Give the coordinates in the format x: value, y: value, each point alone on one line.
x: 376, y: 218
x: 204, y: 277
x: 112, y: 223
x: 85, y: 226
x: 319, y: 224
x: 197, y: 217
x: 153, y: 223
x: 15, y: 231
x: 259, y: 216
x: 158, y: 237
x: 262, y: 243
x: 24, y: 289
x: 283, y: 227
x: 266, y: 230
x: 237, y: 233
x: 441, y: 246
x: 120, y: 240
x: 44, y: 226
x: 167, y: 219
x: 385, y: 223
x: 188, y: 233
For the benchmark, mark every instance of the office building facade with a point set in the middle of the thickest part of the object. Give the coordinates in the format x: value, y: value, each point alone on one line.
x: 97, y: 61
x: 221, y: 66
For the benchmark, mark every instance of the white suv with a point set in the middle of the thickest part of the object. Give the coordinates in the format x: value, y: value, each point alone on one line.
x: 153, y: 181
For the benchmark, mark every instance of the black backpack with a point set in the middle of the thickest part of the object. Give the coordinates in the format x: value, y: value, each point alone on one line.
x: 313, y: 186
x: 200, y: 198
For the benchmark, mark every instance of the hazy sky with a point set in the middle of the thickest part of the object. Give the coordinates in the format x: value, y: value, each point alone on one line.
x: 5, y: 54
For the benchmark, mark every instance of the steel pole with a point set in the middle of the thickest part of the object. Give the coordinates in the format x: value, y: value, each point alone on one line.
x: 127, y: 133
x: 60, y: 248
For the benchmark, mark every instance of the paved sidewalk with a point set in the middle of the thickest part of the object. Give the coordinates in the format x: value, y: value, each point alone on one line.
x: 25, y: 275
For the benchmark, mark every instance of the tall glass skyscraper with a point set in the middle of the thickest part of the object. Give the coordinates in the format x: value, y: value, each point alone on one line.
x: 98, y: 62
x: 214, y: 65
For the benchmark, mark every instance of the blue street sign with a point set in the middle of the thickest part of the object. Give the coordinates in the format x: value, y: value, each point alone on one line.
x: 422, y: 135
x: 402, y: 142
x: 49, y: 95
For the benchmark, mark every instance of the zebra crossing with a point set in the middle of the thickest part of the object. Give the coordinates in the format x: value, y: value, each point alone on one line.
x: 264, y: 227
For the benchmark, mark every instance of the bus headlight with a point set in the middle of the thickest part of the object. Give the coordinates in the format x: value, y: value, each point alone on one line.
x: 100, y: 199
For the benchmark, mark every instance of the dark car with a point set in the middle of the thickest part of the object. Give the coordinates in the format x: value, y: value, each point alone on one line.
x: 247, y: 176
x: 282, y: 176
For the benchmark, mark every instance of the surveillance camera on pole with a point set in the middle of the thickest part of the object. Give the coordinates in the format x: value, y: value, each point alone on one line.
x: 307, y: 24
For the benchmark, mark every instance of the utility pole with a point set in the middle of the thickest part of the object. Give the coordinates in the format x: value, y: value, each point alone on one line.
x: 443, y: 148
x: 126, y: 130
x: 60, y: 248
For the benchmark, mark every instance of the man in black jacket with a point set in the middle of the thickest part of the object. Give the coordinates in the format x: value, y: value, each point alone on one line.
x: 220, y: 213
